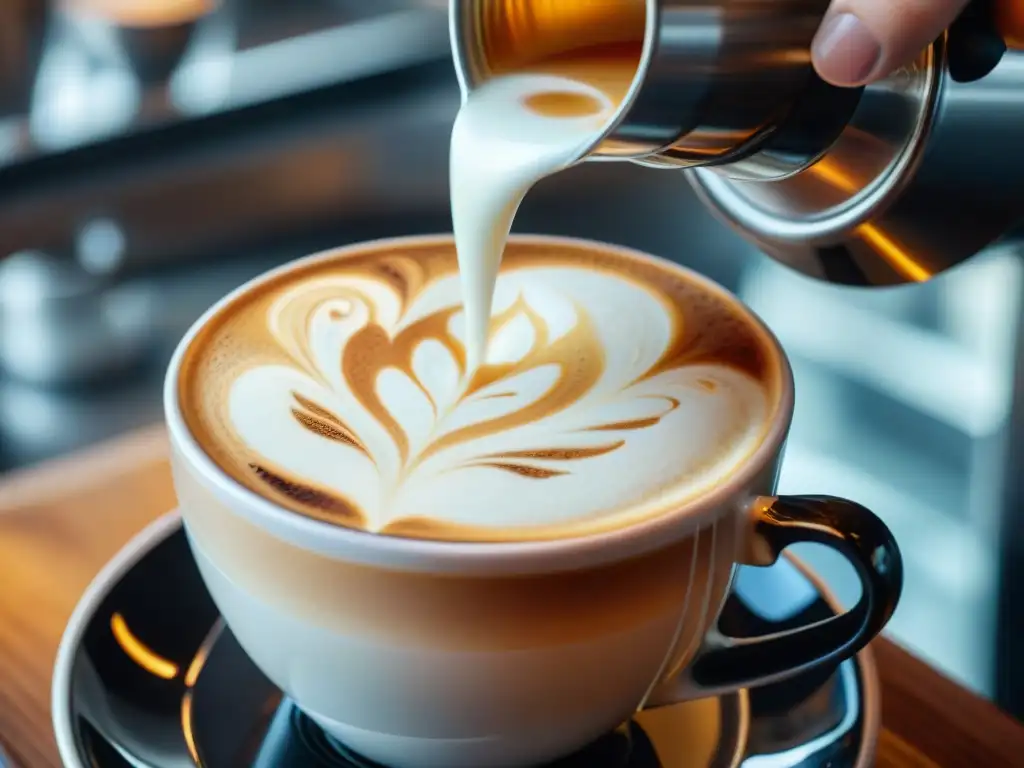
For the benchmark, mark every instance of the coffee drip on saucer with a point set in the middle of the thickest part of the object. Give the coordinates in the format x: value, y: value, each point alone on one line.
x: 886, y: 184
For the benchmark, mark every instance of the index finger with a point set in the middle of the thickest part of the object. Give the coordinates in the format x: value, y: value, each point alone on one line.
x: 862, y: 40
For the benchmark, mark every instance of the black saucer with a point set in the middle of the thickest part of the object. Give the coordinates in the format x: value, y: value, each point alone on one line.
x: 147, y: 675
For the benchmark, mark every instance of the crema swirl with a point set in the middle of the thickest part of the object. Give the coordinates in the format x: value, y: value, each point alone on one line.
x: 613, y: 388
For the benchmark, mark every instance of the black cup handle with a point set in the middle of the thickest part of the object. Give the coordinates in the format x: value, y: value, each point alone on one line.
x: 854, y: 531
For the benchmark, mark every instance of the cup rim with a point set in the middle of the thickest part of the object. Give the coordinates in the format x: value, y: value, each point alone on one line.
x: 472, y: 557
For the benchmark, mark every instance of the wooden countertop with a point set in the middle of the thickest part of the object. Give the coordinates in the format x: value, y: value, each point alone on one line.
x: 60, y: 522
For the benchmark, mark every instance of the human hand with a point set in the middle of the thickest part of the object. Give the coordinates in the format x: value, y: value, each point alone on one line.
x: 862, y: 40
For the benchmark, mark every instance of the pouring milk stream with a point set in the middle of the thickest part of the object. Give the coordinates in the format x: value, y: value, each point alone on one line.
x: 510, y: 133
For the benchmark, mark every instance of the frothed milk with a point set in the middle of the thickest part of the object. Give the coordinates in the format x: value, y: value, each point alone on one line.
x: 613, y: 388
x: 511, y: 132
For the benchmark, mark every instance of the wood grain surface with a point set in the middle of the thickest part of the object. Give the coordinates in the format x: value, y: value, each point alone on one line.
x: 60, y: 522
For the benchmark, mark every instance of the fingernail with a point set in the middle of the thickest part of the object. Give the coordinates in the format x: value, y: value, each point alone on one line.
x: 845, y: 51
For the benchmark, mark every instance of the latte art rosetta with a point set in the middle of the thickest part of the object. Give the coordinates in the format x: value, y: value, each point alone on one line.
x: 595, y: 396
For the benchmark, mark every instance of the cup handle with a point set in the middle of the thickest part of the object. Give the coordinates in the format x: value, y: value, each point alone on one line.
x: 725, y: 664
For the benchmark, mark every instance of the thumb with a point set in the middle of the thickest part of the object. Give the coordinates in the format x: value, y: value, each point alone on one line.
x: 862, y: 40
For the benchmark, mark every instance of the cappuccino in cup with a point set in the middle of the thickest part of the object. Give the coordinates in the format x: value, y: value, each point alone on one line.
x: 493, y: 566
x: 614, y: 388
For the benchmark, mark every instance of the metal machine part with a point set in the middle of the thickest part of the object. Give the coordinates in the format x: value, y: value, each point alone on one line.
x: 64, y: 322
x: 223, y: 183
x: 154, y: 36
x: 21, y: 25
x: 882, y: 185
x: 85, y: 72
x: 98, y: 139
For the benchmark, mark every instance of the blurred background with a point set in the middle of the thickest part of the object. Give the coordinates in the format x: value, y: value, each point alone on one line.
x: 155, y: 155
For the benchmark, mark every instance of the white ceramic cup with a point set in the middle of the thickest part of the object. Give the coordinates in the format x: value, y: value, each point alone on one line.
x: 429, y: 654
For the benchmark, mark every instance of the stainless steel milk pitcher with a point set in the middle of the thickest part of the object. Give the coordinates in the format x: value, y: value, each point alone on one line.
x: 886, y: 184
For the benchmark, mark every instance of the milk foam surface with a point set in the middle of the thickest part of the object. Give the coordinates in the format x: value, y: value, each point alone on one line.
x: 343, y: 393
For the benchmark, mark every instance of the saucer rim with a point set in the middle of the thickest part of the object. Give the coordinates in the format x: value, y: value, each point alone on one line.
x: 142, y: 543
